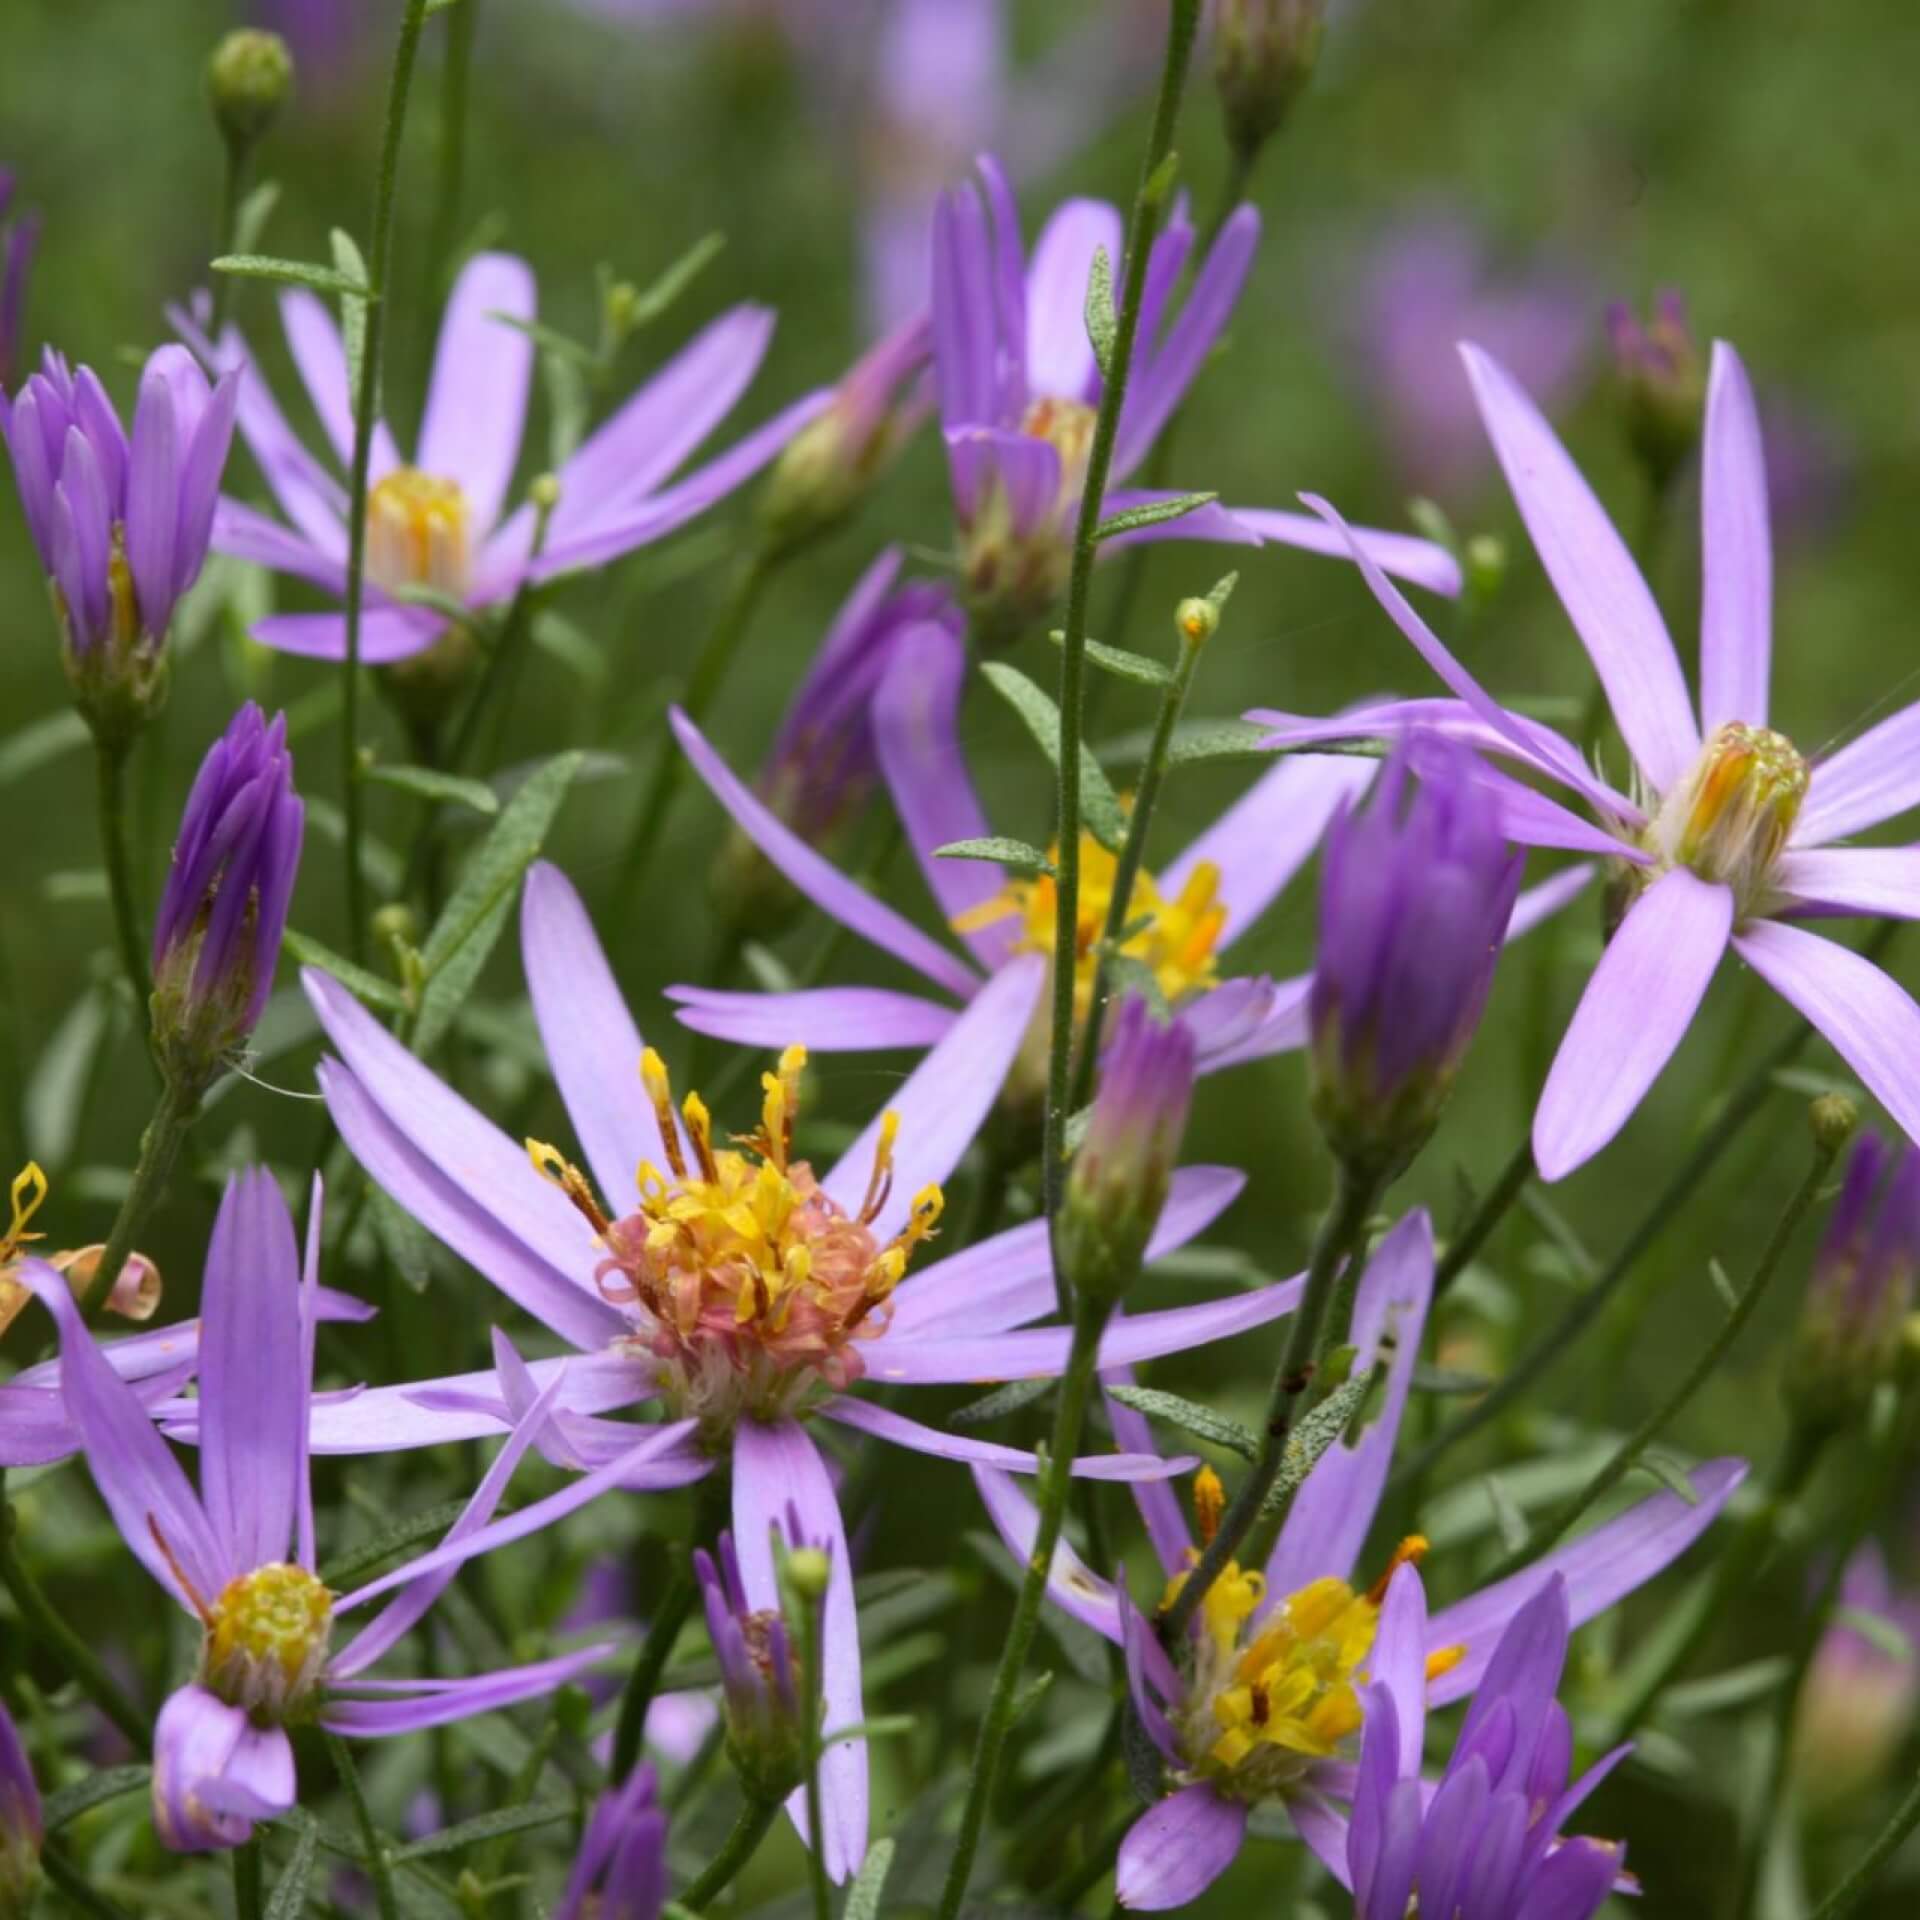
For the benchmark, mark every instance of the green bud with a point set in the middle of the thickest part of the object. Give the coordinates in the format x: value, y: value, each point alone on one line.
x: 1832, y: 1117
x: 1264, y: 53
x: 808, y: 1570
x: 1198, y: 620
x: 248, y: 80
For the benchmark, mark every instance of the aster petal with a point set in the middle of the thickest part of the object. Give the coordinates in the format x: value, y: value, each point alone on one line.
x: 313, y: 339
x: 249, y: 535
x: 1060, y: 359
x: 1151, y: 1679
x: 407, y: 1706
x: 153, y: 498
x: 916, y: 737
x: 1864, y: 880
x: 203, y: 460
x: 962, y: 309
x: 591, y: 1042
x: 253, y: 1391
x: 1529, y: 819
x: 946, y: 1097
x: 882, y: 1423
x: 1159, y: 1505
x: 1600, y: 1568
x: 138, y: 1477
x: 1537, y: 905
x: 1398, y: 1663
x: 1864, y: 1014
x: 477, y: 401
x: 1635, y: 1011
x: 1406, y: 556
x: 1736, y: 552
x: 1020, y: 465
x: 1333, y: 1511
x: 387, y: 634
x: 1608, y: 602
x: 1178, y: 1848
x: 779, y: 1477
x: 821, y: 1019
x: 1071, y: 1584
x: 1523, y: 1675
x: 194, y: 1741
x: 1324, y: 1829
x: 1869, y: 780
x: 1575, y: 1880
x: 817, y: 877
x: 1281, y: 1029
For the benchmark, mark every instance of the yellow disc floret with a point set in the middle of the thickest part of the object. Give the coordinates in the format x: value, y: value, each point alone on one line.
x: 419, y: 530
x: 266, y: 1639
x: 749, y: 1283
x: 1729, y: 820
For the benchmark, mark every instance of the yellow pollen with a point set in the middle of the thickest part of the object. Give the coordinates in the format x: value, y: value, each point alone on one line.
x: 1730, y: 819
x: 267, y: 1636
x: 1066, y: 426
x: 1444, y: 1660
x: 553, y: 1165
x: 1176, y: 939
x: 1209, y: 1503
x: 418, y: 527
x: 1409, y: 1553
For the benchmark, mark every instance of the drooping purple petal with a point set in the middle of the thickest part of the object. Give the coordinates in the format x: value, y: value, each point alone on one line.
x: 882, y: 1423
x: 1602, y: 590
x: 1404, y: 555
x: 247, y: 534
x: 1178, y: 1848
x: 1736, y: 552
x: 1151, y: 1679
x: 1635, y: 1011
x: 821, y: 1019
x: 408, y: 1706
x: 196, y: 1740
x: 777, y: 1472
x: 1158, y: 1503
x: 1071, y: 1584
x: 477, y: 402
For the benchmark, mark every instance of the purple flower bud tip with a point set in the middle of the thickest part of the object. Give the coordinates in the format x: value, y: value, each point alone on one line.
x: 1416, y: 890
x: 757, y: 1675
x: 21, y: 1827
x: 216, y: 938
x: 620, y: 1872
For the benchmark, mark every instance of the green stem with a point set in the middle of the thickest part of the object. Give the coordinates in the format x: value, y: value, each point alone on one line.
x: 451, y: 171
x: 249, y: 1880
x: 1335, y: 1245
x: 159, y: 1148
x: 741, y: 1845
x: 379, y: 1859
x: 1093, y: 1867
x: 366, y: 407
x: 1143, y: 220
x: 812, y: 1643
x: 708, y: 674
x: 662, y: 1631
x: 1076, y: 1392
x: 1486, y: 1216
x: 47, y: 1625
x: 1892, y: 1837
x: 110, y: 759
x: 232, y: 185
x: 1621, y: 1461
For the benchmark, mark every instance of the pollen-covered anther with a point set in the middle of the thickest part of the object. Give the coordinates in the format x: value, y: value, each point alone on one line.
x: 1209, y: 1503
x: 1067, y: 427
x: 1730, y: 819
x: 419, y: 532
x: 266, y: 1638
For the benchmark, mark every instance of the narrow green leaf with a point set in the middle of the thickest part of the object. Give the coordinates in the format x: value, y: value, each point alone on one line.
x: 550, y: 338
x: 289, y: 1899
x: 292, y: 273
x: 1137, y: 667
x: 1447, y: 1381
x: 485, y: 1826
x: 93, y: 1790
x: 1102, y: 322
x: 1019, y: 854
x: 437, y: 6
x: 34, y: 745
x: 654, y: 299
x: 886, y: 1726
x: 1507, y: 1516
x: 353, y: 303
x: 57, y: 1088
x: 75, y: 886
x: 1724, y: 1287
x: 375, y: 991
x: 472, y: 921
x: 428, y: 1524
x: 1152, y: 513
x: 1030, y: 1695
x: 407, y: 1245
x: 1105, y: 819
x: 255, y: 211
x: 570, y: 643
x: 1002, y: 1400
x: 431, y: 784
x: 863, y: 1897
x: 1217, y: 1429
x: 1669, y: 1472
x: 1203, y: 740
x: 417, y: 593
x: 1719, y: 1692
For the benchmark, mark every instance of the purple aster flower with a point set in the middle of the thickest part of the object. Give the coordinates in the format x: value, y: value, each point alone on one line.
x: 120, y: 523
x: 620, y: 1872
x: 216, y: 937
x: 759, y: 1677
x: 1486, y: 1843
x: 1417, y: 888
x: 1853, y: 1324
x: 1860, y: 1696
x: 1195, y: 907
x: 440, y: 520
x: 1266, y: 1699
x: 1731, y: 838
x: 18, y: 238
x: 1424, y: 282
x: 21, y: 1825
x: 1019, y: 389
x: 752, y: 1347
x: 222, y: 1755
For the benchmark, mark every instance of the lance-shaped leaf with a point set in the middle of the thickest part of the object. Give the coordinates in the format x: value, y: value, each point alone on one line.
x: 1106, y: 819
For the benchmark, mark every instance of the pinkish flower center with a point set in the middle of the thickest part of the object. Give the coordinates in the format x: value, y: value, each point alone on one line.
x: 266, y: 1639
x: 747, y: 1281
x: 418, y: 532
x: 1728, y: 821
x: 1067, y: 427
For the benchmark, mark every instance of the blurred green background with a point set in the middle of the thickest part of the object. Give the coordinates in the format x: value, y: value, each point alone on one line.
x: 1757, y: 154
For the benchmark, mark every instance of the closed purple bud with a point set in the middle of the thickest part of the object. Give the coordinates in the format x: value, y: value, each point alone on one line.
x: 121, y: 521
x: 18, y: 238
x: 1264, y: 53
x: 1861, y: 1292
x: 216, y: 938
x: 620, y: 1872
x: 1124, y: 1163
x: 1416, y: 889
x: 1663, y: 382
x: 758, y: 1677
x: 21, y: 1829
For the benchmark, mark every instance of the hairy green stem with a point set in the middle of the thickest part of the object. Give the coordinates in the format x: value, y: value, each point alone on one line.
x: 379, y: 1858
x: 159, y: 1148
x: 451, y: 159
x: 1492, y: 1209
x: 366, y: 407
x: 740, y: 1847
x: 110, y: 759
x: 1076, y: 1393
x: 1620, y: 1463
x: 233, y: 181
x: 249, y: 1880
x: 812, y: 1641
x: 1891, y: 1838
x: 650, y: 1663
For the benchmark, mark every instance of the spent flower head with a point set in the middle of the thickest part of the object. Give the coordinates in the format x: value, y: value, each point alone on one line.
x: 1264, y: 53
x: 1662, y: 378
x: 759, y: 1677
x: 21, y: 1825
x: 216, y: 938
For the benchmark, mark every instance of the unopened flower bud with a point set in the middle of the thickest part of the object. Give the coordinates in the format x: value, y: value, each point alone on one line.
x: 21, y: 1825
x: 759, y: 1676
x: 1852, y: 1328
x: 1197, y: 620
x: 216, y: 938
x: 1121, y: 1170
x: 620, y: 1872
x: 1663, y: 382
x: 1832, y: 1119
x: 808, y: 1570
x: 1264, y: 53
x: 1416, y: 889
x: 249, y: 79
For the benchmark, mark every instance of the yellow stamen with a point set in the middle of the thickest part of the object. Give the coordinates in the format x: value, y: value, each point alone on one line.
x: 1209, y: 1503
x: 418, y: 528
x: 1444, y: 1660
x: 551, y: 1164
x: 880, y: 1181
x: 1409, y: 1553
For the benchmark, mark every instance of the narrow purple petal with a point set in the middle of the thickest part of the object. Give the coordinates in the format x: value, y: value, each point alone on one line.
x: 1404, y: 555
x: 1635, y: 1011
x: 313, y: 340
x: 387, y: 634
x: 1151, y: 1679
x: 962, y: 308
x: 438, y: 1703
x: 1869, y: 780
x: 1160, y: 1510
x: 249, y: 535
x: 1398, y: 1663
x: 477, y: 402
x: 204, y: 461
x: 1864, y: 880
x: 881, y: 1423
x: 1025, y: 469
x: 1522, y: 1675
x: 821, y: 1019
x: 1176, y: 1850
x: 153, y: 495
x: 1736, y: 552
x: 1071, y: 1584
x: 1060, y: 361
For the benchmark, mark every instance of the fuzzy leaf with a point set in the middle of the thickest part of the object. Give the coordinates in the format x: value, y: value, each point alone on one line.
x: 375, y: 991
x: 431, y: 784
x: 1102, y: 322
x: 1669, y: 1472
x: 1137, y: 667
x: 292, y: 273
x: 429, y: 1524
x: 1448, y: 1381
x: 1002, y: 1400
x: 1098, y: 802
x: 863, y: 1897
x: 289, y: 1899
x: 255, y: 211
x: 354, y: 289
x: 407, y: 1245
x: 1190, y: 1417
x: 90, y: 1791
x: 486, y: 1826
x: 1019, y: 854
x: 1152, y: 513
x: 1315, y: 1434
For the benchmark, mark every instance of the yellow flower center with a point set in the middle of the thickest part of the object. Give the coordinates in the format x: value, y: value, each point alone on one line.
x: 1067, y: 427
x: 748, y: 1281
x: 1729, y: 819
x: 266, y: 1638
x: 418, y: 527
